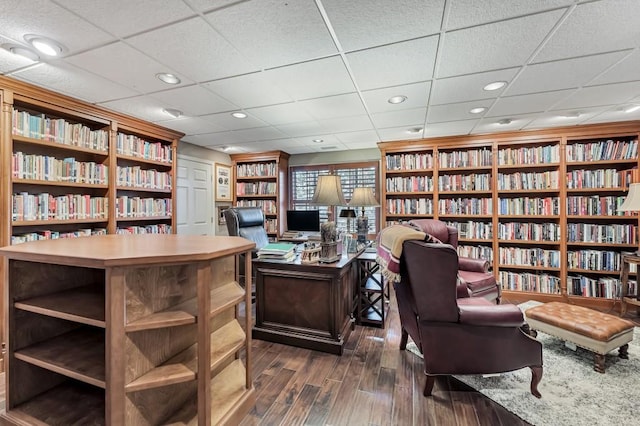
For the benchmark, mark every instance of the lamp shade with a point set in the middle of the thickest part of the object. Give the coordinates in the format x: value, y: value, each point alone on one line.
x: 363, y: 197
x: 348, y: 213
x: 632, y: 202
x: 328, y: 192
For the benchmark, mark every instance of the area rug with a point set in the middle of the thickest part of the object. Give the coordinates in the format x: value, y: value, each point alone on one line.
x: 573, y: 394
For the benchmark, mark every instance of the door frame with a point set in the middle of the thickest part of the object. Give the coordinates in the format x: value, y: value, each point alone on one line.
x: 212, y: 207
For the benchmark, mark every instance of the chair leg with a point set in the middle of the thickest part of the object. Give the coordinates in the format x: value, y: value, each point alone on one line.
x: 403, y: 339
x: 428, y: 386
x: 536, y: 376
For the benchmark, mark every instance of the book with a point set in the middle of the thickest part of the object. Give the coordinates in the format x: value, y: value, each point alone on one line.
x: 277, y: 249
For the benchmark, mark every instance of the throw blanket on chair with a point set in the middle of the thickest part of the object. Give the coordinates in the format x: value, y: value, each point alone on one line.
x: 390, y: 248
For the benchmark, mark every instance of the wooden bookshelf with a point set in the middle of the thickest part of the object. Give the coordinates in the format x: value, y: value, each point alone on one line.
x: 512, y: 195
x: 158, y: 332
x: 260, y: 180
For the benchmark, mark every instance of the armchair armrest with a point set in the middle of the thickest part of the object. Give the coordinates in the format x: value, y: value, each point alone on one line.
x: 473, y: 265
x: 493, y: 315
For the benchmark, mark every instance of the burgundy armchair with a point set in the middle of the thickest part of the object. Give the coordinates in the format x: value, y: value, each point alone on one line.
x: 475, y: 280
x: 458, y: 336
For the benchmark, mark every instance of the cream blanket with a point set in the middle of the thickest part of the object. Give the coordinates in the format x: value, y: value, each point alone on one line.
x: 389, y: 249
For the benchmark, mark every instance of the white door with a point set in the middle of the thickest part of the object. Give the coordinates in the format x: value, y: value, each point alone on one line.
x: 195, y: 197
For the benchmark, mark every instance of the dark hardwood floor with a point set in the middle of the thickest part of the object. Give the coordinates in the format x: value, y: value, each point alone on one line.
x: 373, y: 383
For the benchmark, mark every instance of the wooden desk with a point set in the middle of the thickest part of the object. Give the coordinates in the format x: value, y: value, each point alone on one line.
x: 627, y: 260
x: 306, y: 305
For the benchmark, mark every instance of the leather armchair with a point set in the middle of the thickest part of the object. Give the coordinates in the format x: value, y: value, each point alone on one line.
x: 475, y: 280
x: 458, y: 336
x: 247, y: 222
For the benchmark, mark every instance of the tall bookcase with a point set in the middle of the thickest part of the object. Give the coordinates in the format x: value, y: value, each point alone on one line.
x: 261, y: 181
x: 70, y: 169
x: 540, y: 205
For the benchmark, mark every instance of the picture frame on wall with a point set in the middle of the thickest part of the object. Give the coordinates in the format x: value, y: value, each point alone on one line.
x: 223, y: 182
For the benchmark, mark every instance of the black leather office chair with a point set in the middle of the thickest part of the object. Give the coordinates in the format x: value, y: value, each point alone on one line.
x: 247, y: 222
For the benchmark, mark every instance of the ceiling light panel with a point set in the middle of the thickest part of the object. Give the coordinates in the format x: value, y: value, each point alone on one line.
x: 468, y: 87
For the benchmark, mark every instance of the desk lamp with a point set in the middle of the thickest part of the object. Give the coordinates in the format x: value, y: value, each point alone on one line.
x: 632, y: 202
x: 348, y: 243
x: 328, y: 193
x: 363, y: 197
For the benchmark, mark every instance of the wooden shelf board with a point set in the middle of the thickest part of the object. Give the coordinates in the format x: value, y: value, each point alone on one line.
x: 530, y: 242
x: 464, y: 169
x: 142, y: 160
x: 134, y: 219
x: 405, y: 171
x: 51, y: 144
x: 225, y: 341
x: 465, y: 216
x: 68, y: 404
x: 414, y: 193
x: 60, y: 183
x: 411, y: 215
x: 181, y: 314
x: 78, y: 354
x: 187, y: 415
x: 227, y: 389
x: 589, y: 271
x: 141, y: 189
x: 179, y: 369
x: 587, y: 216
x: 608, y: 245
x: 269, y: 177
x: 529, y: 191
x: 256, y: 196
x: 82, y: 305
x: 468, y: 192
x: 600, y: 162
x: 632, y: 301
x: 226, y: 296
x: 57, y: 222
x: 532, y: 268
x: 475, y: 240
x: 527, y: 216
x: 527, y: 166
x: 582, y: 190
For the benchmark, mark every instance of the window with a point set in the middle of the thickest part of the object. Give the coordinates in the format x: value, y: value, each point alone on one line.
x: 303, y: 181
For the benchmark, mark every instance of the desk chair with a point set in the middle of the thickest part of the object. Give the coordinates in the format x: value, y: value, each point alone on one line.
x: 247, y: 222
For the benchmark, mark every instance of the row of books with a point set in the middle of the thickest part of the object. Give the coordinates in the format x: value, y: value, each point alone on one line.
x: 256, y: 169
x: 597, y: 233
x: 471, y: 182
x: 267, y: 206
x: 473, y: 230
x: 529, y: 256
x: 159, y: 228
x: 45, y: 206
x: 476, y: 252
x: 600, y: 178
x: 594, y: 260
x: 471, y: 158
x: 284, y: 252
x: 605, y: 287
x: 58, y: 130
x: 133, y: 146
x: 602, y: 150
x: 528, y: 180
x: 482, y: 206
x: 137, y: 207
x: 529, y: 206
x: 595, y: 205
x: 529, y: 155
x: 525, y: 281
x: 256, y: 188
x: 52, y: 169
x: 416, y: 161
x: 409, y: 206
x: 529, y: 231
x: 409, y: 184
x: 137, y: 177
x: 54, y: 235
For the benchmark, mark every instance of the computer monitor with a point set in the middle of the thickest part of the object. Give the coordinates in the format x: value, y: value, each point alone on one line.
x: 303, y: 220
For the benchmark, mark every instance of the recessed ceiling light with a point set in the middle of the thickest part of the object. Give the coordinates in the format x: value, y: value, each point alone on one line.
x: 175, y: 113
x: 477, y: 110
x: 168, y: 78
x: 415, y: 130
x: 239, y: 114
x: 632, y: 109
x: 25, y: 52
x: 495, y: 85
x: 317, y: 140
x: 574, y: 114
x: 44, y: 45
x: 397, y: 99
x: 504, y: 121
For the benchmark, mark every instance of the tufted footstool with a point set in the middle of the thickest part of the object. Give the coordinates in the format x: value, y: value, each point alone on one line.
x: 595, y: 331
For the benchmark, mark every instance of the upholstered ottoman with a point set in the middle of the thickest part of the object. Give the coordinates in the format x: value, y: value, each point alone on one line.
x: 595, y: 331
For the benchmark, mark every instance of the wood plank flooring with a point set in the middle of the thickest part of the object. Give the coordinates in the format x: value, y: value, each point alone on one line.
x: 373, y: 383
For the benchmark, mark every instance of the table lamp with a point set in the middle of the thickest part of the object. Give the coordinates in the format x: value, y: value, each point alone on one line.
x: 348, y: 242
x: 363, y: 197
x: 328, y: 193
x: 632, y: 202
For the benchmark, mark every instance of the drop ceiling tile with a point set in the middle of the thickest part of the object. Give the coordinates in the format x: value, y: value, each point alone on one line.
x: 378, y: 100
x: 494, y: 46
x: 334, y: 106
x: 347, y: 124
x: 47, y: 19
x: 274, y: 32
x: 457, y: 112
x: 491, y: 125
x: 607, y: 94
x: 281, y: 114
x: 329, y: 145
x: 466, y: 13
x: 570, y: 73
x: 9, y: 61
x: 214, y: 139
x: 625, y: 70
x: 361, y: 24
x: 524, y: 104
x: 139, y: 74
x: 285, y: 145
x: 305, y: 128
x: 405, y: 117
x: 125, y: 17
x: 468, y: 87
x: 450, y: 128
x: 191, y: 125
x: 227, y: 121
x: 65, y: 78
x: 613, y: 114
x: 354, y: 146
x: 563, y: 118
x: 194, y: 100
x: 595, y: 27
x: 249, y: 90
x: 209, y: 5
x: 144, y: 107
x: 313, y: 79
x: 259, y: 134
x: 194, y: 49
x: 395, y: 64
x: 359, y: 138
x: 400, y: 133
